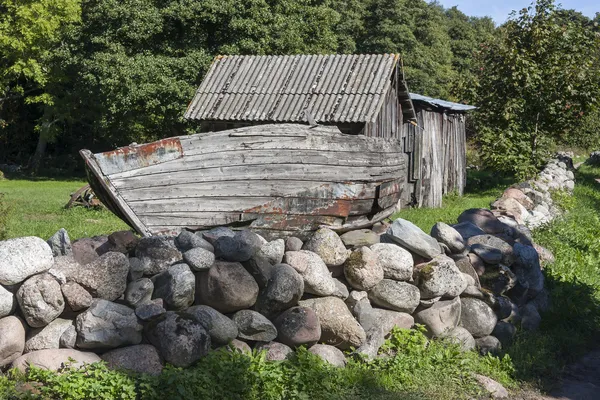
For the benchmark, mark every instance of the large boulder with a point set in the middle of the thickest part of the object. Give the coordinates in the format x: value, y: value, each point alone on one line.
x: 441, y: 317
x: 317, y: 278
x: 397, y: 263
x: 449, y: 236
x: 254, y: 326
x: 221, y: 329
x: 179, y: 337
x: 412, y: 238
x: 12, y: 339
x: 106, y: 325
x: 141, y: 358
x: 484, y: 219
x: 47, y: 337
x: 156, y: 254
x: 86, y: 250
x: 527, y: 268
x: 76, y: 297
x: 60, y: 243
x: 105, y: 277
x: 284, y: 289
x: 199, y: 259
x: 239, y: 248
x: 362, y: 269
x: 54, y: 359
x: 298, y: 326
x: 439, y: 277
x: 468, y: 230
x: 396, y: 296
x: 328, y: 245
x: 338, y: 326
x: 215, y: 233
x: 227, y: 287
x: 40, y: 300
x: 23, y: 257
x: 7, y: 302
x: 508, y: 257
x: 477, y: 317
x: 176, y: 286
x: 329, y: 354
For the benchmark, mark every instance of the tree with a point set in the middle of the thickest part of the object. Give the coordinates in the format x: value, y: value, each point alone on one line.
x: 536, y: 81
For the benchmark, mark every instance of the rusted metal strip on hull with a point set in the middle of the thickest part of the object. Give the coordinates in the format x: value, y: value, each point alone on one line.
x: 135, y: 157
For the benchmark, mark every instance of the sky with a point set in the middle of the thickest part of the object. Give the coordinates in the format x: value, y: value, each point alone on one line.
x: 499, y: 10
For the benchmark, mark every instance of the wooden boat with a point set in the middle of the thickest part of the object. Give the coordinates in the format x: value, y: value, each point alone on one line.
x: 280, y: 180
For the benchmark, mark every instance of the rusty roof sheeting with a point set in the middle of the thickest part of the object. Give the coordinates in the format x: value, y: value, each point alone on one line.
x: 333, y: 88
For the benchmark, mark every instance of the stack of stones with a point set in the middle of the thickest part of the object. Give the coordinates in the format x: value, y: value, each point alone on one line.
x: 140, y: 303
x: 530, y: 203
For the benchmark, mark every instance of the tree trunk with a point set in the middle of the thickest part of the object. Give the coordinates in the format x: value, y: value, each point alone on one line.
x: 40, y: 151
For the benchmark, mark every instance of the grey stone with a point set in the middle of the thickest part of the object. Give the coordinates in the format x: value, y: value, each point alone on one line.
x: 227, y: 287
x: 439, y: 277
x: 362, y: 269
x: 239, y: 346
x: 496, y: 390
x: 199, y: 259
x: 338, y: 326
x: 136, y: 269
x: 221, y: 329
x: 488, y: 254
x: 233, y: 249
x: 412, y: 238
x: 449, y: 236
x: 254, y: 326
x: 76, y: 297
x: 462, y: 337
x: 465, y: 266
x: 397, y: 263
x: 23, y: 257
x: 187, y: 240
x: 293, y: 244
x: 7, y: 302
x: 317, y: 278
x: 359, y: 238
x: 505, y: 332
x: 156, y: 254
x: 176, y: 286
x: 107, y: 325
x: 139, y: 292
x: 40, y: 300
x: 441, y: 317
x: 68, y: 340
x: 54, y: 359
x: 273, y: 251
x: 215, y: 233
x: 530, y: 318
x: 47, y: 337
x: 275, y: 351
x: 149, y: 311
x: 60, y: 243
x: 508, y: 256
x: 283, y: 290
x: 506, y: 310
x: 105, y: 277
x: 329, y: 354
x: 328, y: 246
x: 477, y: 317
x: 179, y: 338
x: 488, y: 345
x: 341, y: 289
x: 12, y: 339
x: 141, y: 358
x: 468, y: 230
x: 484, y: 219
x: 260, y: 268
x: 394, y: 295
x: 123, y: 241
x: 298, y: 326
x: 86, y: 250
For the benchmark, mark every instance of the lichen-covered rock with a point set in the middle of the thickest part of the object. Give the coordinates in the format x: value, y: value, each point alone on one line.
x: 199, y: 259
x: 441, y: 317
x: 254, y: 326
x: 40, y: 300
x: 227, y: 287
x: 12, y: 339
x: 105, y: 277
x: 449, y: 236
x: 293, y: 244
x: 221, y: 329
x: 7, y: 302
x: 47, y: 337
x: 156, y: 254
x: 328, y: 245
x: 284, y: 289
x: 412, y: 238
x: 359, y: 238
x: 477, y: 317
x: 298, y: 326
x: 317, y: 278
x: 396, y: 296
x: 54, y: 359
x: 439, y: 277
x: 106, y: 325
x: 273, y: 251
x: 239, y: 248
x: 329, y: 354
x: 176, y: 286
x: 397, y: 263
x: 60, y: 243
x: 139, y: 292
x: 338, y: 326
x: 362, y: 269
x: 151, y: 310
x: 141, y: 358
x: 462, y: 337
x: 23, y: 257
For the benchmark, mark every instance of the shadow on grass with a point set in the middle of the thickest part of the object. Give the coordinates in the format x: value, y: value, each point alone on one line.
x: 58, y: 177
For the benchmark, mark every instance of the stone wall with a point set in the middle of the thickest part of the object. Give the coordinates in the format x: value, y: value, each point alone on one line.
x: 140, y: 303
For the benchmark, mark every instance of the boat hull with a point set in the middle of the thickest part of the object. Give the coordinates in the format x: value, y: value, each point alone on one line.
x: 280, y: 180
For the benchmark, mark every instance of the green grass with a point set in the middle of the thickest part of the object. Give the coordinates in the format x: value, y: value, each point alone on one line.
x: 36, y: 208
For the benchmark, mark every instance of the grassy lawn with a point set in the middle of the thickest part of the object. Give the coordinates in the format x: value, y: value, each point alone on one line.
x: 36, y: 208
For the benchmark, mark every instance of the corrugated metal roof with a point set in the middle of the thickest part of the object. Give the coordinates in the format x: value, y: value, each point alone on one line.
x: 446, y: 105
x: 333, y: 88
